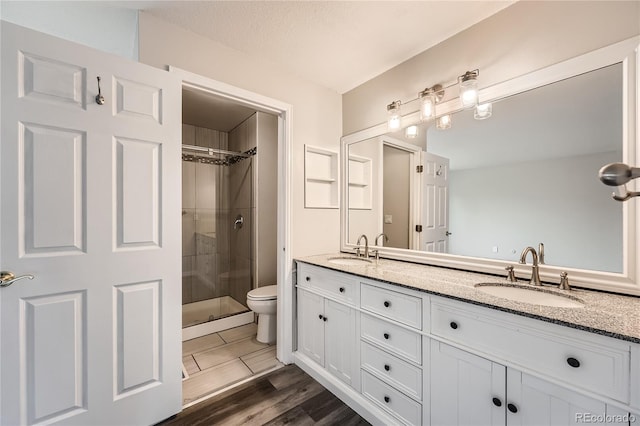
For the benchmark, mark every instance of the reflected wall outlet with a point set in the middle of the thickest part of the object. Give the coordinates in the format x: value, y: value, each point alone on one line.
x: 388, y: 218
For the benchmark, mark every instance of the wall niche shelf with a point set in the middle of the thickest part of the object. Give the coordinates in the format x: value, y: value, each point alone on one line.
x: 359, y: 182
x: 321, y: 185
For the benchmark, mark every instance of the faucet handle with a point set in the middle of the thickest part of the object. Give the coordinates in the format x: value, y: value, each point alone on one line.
x: 511, y: 275
x: 564, y: 281
x: 357, y: 250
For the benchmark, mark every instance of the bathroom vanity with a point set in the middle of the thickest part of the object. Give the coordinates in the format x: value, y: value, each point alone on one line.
x: 405, y: 343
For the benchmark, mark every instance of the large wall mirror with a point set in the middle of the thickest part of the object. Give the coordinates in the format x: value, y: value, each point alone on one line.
x: 524, y: 176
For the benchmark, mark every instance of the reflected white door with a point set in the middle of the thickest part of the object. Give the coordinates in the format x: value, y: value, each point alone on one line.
x: 90, y: 207
x: 435, y: 204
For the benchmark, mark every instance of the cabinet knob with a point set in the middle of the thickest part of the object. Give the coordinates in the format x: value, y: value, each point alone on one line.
x: 387, y: 367
x: 512, y: 408
x: 320, y: 316
x: 387, y: 399
x: 308, y: 278
x: 387, y: 304
x: 324, y: 319
x: 453, y: 325
x: 341, y: 289
x: 386, y: 336
x: 497, y: 402
x: 573, y: 362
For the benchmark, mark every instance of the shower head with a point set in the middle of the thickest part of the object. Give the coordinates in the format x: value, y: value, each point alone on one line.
x: 616, y: 174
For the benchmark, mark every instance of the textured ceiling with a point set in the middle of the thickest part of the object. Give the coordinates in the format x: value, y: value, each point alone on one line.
x: 337, y: 44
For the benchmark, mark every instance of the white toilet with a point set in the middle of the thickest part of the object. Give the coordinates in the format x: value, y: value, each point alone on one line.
x: 263, y: 301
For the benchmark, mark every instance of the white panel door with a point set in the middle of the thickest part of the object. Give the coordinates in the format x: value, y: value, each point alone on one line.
x: 435, y: 204
x: 465, y: 389
x: 340, y: 340
x: 90, y: 207
x: 311, y: 325
x: 536, y: 402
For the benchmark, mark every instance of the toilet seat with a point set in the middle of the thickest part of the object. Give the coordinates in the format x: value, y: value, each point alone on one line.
x: 268, y: 292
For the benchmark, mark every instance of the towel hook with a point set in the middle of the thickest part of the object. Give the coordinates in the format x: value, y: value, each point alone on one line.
x: 99, y: 98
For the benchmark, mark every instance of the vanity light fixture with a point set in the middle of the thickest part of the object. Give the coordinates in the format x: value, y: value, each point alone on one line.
x: 394, y: 116
x: 469, y: 88
x: 483, y: 111
x: 429, y: 97
x: 411, y: 132
x: 618, y: 174
x: 443, y: 122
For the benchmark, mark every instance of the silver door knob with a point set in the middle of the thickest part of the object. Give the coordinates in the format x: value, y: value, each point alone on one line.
x: 7, y: 278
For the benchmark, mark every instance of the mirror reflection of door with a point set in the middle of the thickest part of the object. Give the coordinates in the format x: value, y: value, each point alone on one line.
x: 396, y: 196
x: 435, y: 208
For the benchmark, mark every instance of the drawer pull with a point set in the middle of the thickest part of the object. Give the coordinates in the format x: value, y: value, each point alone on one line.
x: 497, y: 402
x: 453, y: 325
x: 387, y: 304
x: 387, y: 399
x: 512, y: 408
x: 308, y: 278
x: 387, y: 367
x: 341, y: 289
x: 573, y: 362
x: 386, y: 336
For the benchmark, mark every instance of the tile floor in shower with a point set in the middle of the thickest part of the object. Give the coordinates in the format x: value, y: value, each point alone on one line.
x: 220, y: 359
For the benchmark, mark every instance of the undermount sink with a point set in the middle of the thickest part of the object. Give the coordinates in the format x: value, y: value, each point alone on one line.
x: 532, y: 295
x: 347, y: 260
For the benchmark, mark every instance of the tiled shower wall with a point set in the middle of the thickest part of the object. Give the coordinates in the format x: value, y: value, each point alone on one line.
x: 205, y: 254
x: 242, y: 202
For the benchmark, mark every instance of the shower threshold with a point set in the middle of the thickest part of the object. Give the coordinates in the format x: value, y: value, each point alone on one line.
x: 210, y: 310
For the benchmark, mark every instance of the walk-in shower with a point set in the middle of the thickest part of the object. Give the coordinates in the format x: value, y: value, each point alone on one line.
x: 217, y: 231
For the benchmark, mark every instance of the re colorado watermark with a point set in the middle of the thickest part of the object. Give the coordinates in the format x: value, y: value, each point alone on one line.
x: 605, y: 418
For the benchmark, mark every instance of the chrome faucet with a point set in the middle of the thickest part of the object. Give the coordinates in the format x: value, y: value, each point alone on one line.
x: 384, y: 240
x: 377, y: 251
x: 366, y: 246
x: 535, y: 276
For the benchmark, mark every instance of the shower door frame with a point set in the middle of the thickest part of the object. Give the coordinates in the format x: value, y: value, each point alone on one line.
x: 284, y: 258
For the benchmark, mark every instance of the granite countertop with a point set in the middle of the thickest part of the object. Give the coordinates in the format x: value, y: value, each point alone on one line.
x: 603, y: 313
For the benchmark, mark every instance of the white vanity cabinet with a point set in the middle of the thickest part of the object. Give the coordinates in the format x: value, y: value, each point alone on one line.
x: 409, y: 357
x: 391, y: 351
x: 327, y: 330
x: 468, y: 389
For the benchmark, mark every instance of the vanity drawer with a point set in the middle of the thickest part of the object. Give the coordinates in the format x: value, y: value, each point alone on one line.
x: 392, y: 400
x: 398, y: 373
x: 585, y: 360
x: 338, y: 286
x: 397, y: 306
x: 397, y: 340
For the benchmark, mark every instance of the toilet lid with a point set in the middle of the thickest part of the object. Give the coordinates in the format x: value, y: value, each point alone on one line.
x: 263, y: 293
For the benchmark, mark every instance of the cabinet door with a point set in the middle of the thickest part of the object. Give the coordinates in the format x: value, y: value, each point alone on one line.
x: 536, y: 402
x: 340, y: 341
x: 464, y: 387
x: 311, y: 325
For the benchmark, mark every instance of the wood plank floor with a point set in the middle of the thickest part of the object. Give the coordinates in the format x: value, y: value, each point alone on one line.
x: 285, y: 396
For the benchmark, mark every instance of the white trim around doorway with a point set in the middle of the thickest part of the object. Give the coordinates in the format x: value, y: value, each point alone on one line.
x: 284, y: 257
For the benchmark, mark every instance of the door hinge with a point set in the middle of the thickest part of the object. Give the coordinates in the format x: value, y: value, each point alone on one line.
x: 418, y: 228
x: 419, y: 169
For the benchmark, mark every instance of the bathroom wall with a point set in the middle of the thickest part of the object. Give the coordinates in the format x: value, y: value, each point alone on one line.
x: 205, y: 253
x: 104, y: 26
x: 316, y: 112
x: 524, y: 37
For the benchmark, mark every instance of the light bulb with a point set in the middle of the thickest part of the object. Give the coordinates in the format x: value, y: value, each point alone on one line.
x: 469, y: 89
x: 394, y: 119
x: 483, y: 111
x: 411, y: 132
x: 427, y: 104
x: 443, y: 122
